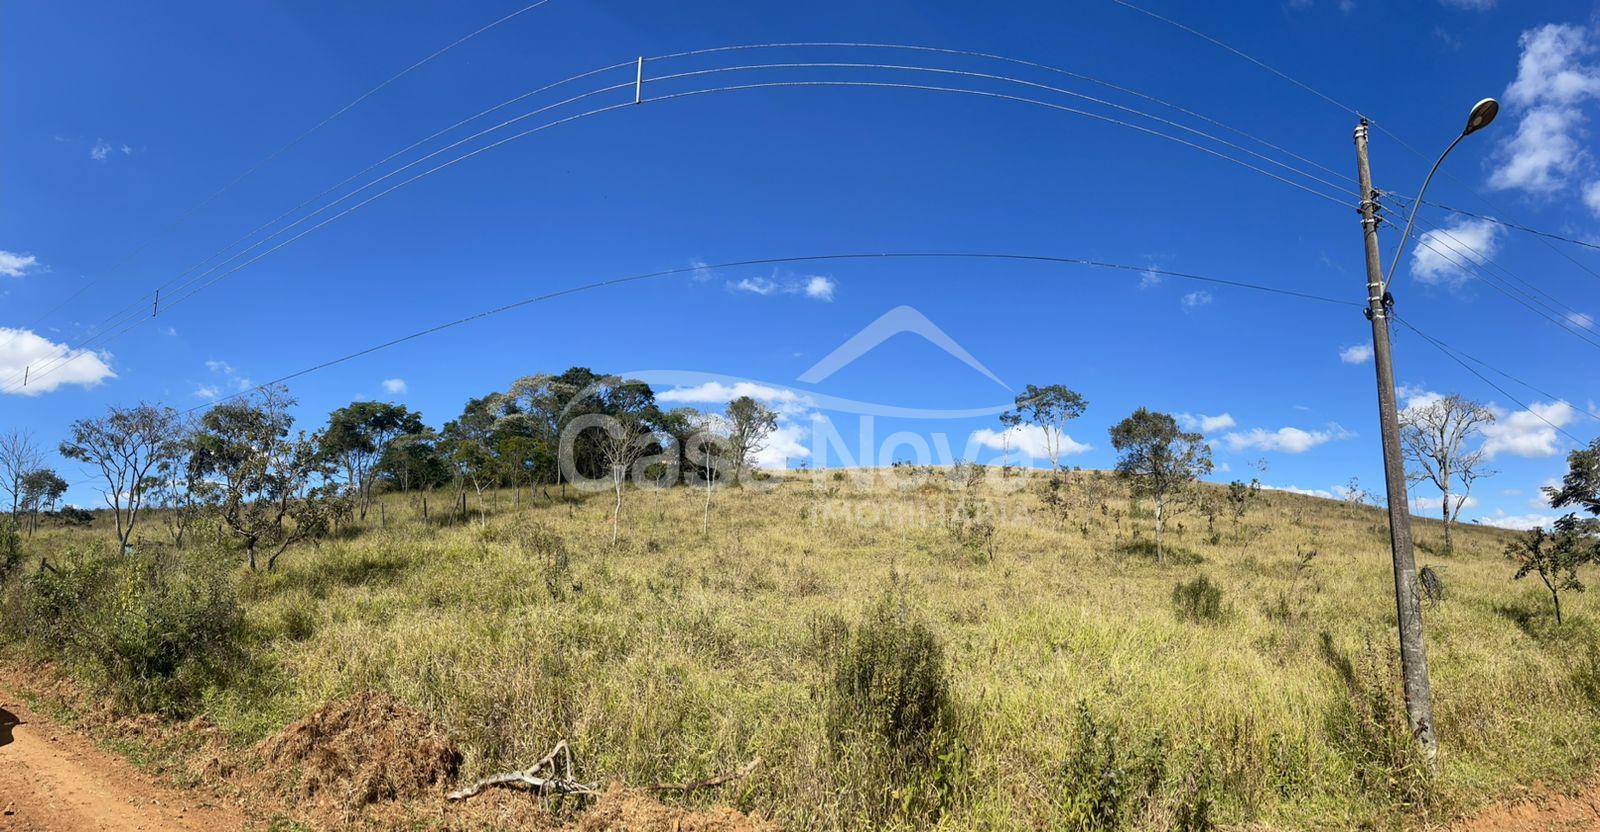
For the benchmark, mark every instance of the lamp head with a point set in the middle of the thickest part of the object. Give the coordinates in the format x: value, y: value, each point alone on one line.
x: 1482, y: 113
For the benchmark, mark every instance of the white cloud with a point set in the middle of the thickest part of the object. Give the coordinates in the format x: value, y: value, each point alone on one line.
x: 209, y: 392
x: 783, y: 444
x: 1591, y: 196
x: 715, y: 392
x: 813, y: 286
x: 1412, y: 397
x: 1204, y: 423
x: 1470, y: 5
x: 1286, y: 440
x: 16, y: 265
x: 1527, y: 433
x: 1549, y: 71
x: 1515, y: 521
x: 1581, y: 320
x: 1028, y: 439
x: 1551, y: 82
x: 100, y: 151
x: 230, y: 378
x: 1149, y: 278
x: 757, y: 285
x: 1195, y: 300
x: 820, y: 288
x: 1309, y: 492
x: 1443, y: 254
x: 23, y: 348
x: 394, y: 386
x: 1358, y: 354
x: 1435, y: 503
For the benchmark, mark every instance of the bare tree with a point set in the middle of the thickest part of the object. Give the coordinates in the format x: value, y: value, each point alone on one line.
x: 1434, y: 436
x: 126, y: 444
x: 749, y: 424
x: 19, y: 457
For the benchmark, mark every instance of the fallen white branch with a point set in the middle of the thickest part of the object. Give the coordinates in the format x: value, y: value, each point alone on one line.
x: 532, y: 778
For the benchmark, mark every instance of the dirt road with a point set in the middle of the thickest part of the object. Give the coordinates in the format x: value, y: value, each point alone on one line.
x: 54, y: 781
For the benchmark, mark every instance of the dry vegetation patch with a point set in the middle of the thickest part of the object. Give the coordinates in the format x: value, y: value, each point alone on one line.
x: 362, y: 750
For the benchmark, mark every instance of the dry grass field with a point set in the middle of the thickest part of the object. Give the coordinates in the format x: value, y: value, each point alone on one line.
x: 911, y: 649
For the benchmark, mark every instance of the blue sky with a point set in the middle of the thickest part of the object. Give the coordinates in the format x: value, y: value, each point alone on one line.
x: 121, y: 121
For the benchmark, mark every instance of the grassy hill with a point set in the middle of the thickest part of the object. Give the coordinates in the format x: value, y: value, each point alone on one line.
x: 916, y: 648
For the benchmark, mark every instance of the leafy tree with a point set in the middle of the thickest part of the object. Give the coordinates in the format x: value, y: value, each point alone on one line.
x: 177, y: 487
x: 1555, y: 556
x: 1434, y: 437
x: 1159, y: 460
x: 41, y: 488
x: 356, y: 438
x: 413, y: 461
x: 1581, y: 485
x: 749, y: 425
x: 126, y: 444
x: 1049, y: 408
x: 271, y: 489
x: 19, y: 456
x: 1573, y: 541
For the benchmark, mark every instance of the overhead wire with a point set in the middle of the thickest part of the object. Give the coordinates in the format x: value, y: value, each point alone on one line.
x: 71, y: 353
x: 768, y: 261
x: 138, y: 306
x: 281, y: 150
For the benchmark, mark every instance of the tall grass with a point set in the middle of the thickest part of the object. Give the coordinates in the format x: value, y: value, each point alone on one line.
x: 1059, y: 682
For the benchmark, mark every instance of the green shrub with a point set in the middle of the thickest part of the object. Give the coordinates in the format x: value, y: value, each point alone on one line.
x: 156, y: 630
x: 1101, y: 781
x: 10, y: 549
x: 1198, y: 600
x: 890, y: 716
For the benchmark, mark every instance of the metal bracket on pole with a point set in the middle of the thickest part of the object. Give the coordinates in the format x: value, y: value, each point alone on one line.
x: 638, y: 82
x: 25, y: 375
x: 155, y: 308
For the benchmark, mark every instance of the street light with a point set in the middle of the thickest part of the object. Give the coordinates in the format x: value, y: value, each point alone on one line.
x: 1482, y: 113
x: 1408, y: 608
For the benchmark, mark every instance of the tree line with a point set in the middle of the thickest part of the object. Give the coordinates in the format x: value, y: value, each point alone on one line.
x: 267, y: 486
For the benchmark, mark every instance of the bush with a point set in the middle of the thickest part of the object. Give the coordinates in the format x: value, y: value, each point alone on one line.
x: 1198, y: 600
x: 1100, y: 780
x: 156, y: 630
x: 890, y: 715
x: 10, y: 550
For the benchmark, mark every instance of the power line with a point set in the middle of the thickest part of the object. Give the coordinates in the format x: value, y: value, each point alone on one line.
x: 285, y: 148
x: 1450, y: 353
x: 770, y: 261
x: 137, y: 307
x: 70, y: 355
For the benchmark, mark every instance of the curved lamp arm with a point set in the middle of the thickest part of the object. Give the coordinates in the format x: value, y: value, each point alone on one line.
x: 1415, y: 204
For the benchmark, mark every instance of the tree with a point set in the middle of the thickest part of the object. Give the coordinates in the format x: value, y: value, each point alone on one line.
x: 1555, y: 556
x: 1049, y: 408
x: 41, y: 488
x: 356, y: 438
x: 749, y: 425
x: 1581, y: 485
x: 1434, y: 436
x: 626, y: 418
x: 19, y: 456
x: 271, y: 489
x: 177, y: 488
x: 1159, y: 460
x: 126, y: 445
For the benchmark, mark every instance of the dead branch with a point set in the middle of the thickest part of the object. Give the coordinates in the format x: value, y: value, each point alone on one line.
x: 542, y: 779
x: 531, y: 778
x: 728, y: 777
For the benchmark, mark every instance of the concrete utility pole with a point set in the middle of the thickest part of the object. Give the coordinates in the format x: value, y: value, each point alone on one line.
x: 1408, y: 606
